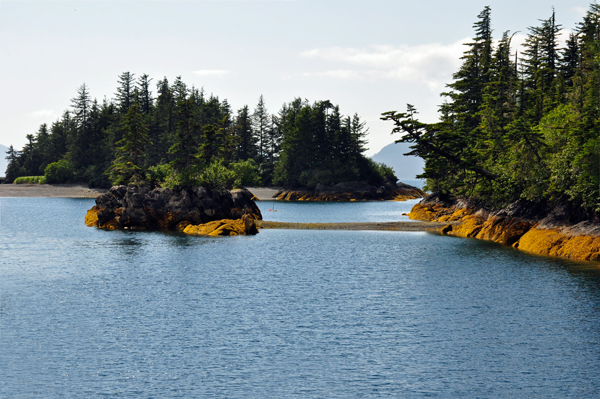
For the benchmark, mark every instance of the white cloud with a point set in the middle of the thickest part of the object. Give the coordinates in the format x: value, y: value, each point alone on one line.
x: 343, y: 74
x: 580, y: 10
x: 41, y: 114
x: 218, y: 73
x: 430, y: 64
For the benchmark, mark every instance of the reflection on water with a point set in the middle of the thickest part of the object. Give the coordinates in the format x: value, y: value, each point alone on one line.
x: 85, y: 312
x: 336, y: 212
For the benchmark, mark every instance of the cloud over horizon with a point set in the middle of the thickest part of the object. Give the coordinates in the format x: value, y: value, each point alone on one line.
x: 430, y: 64
x: 41, y: 114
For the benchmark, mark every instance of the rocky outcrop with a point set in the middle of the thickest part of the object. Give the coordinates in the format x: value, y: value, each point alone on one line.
x: 352, y: 191
x: 225, y: 227
x: 140, y: 208
x: 546, y: 229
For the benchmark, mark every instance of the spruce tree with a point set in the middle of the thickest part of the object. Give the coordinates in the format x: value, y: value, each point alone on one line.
x: 129, y: 164
x: 125, y: 91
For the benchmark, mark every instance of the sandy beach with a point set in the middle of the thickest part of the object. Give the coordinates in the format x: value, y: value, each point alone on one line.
x: 49, y: 191
x: 264, y: 193
x: 82, y: 191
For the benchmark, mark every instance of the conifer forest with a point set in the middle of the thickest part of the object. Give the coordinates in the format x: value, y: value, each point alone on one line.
x: 180, y: 136
x: 517, y: 125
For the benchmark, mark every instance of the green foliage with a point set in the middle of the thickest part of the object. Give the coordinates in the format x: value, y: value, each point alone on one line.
x: 30, y: 180
x: 246, y: 174
x: 182, y: 137
x: 217, y: 176
x: 509, y: 133
x: 59, y: 172
x: 128, y: 167
x: 158, y: 175
x: 320, y: 146
x: 385, y: 171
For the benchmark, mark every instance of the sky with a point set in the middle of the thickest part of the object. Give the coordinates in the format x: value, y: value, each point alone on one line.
x: 368, y: 57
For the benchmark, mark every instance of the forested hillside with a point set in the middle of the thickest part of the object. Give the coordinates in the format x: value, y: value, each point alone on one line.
x: 181, y: 136
x: 517, y: 125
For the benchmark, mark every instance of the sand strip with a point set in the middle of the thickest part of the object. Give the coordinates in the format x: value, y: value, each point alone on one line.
x: 395, y: 226
x: 49, y: 191
x: 264, y: 193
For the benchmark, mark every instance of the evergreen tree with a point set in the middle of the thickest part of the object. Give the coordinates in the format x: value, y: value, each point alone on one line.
x: 129, y: 164
x: 79, y: 139
x: 125, y: 92
x: 145, y: 95
x: 246, y: 141
x: 13, y: 169
x: 185, y: 145
x: 261, y: 122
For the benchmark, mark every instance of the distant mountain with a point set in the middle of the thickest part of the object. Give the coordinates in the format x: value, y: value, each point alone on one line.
x: 405, y: 167
x: 3, y: 161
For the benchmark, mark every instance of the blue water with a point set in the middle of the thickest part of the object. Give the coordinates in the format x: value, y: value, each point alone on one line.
x: 286, y: 313
x: 336, y: 212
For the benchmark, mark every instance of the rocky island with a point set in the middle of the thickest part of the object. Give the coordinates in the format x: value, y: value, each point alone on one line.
x: 352, y: 191
x: 555, y: 229
x: 192, y: 210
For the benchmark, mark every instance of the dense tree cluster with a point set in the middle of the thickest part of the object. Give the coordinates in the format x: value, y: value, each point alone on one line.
x: 517, y: 126
x: 181, y: 136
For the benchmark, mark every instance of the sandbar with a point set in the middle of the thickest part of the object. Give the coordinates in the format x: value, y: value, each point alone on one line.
x: 393, y: 226
x: 49, y: 191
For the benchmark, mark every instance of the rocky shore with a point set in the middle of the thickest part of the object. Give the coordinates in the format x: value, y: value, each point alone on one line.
x: 559, y: 229
x: 352, y: 191
x: 194, y: 210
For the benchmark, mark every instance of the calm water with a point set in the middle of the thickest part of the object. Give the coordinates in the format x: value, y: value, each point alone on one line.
x: 287, y: 313
x: 332, y: 212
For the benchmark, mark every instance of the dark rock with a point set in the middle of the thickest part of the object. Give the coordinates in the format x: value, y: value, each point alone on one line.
x: 352, y: 191
x: 162, y: 208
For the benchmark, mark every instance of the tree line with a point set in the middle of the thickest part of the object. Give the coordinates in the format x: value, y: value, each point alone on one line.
x: 517, y: 125
x: 182, y: 136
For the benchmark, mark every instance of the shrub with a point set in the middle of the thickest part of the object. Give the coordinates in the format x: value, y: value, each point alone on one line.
x: 246, y: 174
x: 59, y: 172
x: 217, y: 176
x: 159, y: 174
x: 30, y: 180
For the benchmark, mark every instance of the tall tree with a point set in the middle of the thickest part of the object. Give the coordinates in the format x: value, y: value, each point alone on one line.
x: 129, y: 164
x: 125, y: 91
x: 246, y: 142
x: 185, y: 144
x: 261, y: 123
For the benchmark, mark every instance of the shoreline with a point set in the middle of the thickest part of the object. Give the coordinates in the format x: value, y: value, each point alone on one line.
x: 551, y: 231
x: 389, y: 226
x: 49, y: 191
x: 83, y: 191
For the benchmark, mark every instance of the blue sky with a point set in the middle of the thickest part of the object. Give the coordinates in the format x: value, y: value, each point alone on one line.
x: 367, y: 56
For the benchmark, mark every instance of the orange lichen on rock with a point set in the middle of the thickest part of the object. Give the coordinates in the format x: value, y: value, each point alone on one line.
x: 471, y: 226
x: 430, y: 213
x: 555, y: 243
x: 503, y: 230
x: 112, y: 224
x: 225, y: 227
x: 91, y: 220
x: 520, y: 233
x: 407, y: 194
x: 581, y: 248
x: 458, y: 214
x: 91, y: 217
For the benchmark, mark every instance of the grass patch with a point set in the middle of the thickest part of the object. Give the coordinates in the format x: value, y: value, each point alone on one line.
x: 30, y: 180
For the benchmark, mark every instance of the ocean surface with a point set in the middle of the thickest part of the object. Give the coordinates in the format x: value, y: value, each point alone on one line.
x: 286, y: 313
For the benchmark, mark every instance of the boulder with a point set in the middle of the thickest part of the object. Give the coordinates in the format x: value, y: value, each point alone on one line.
x: 140, y: 208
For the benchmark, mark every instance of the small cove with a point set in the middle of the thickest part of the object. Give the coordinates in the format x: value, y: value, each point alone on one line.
x: 85, y: 312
